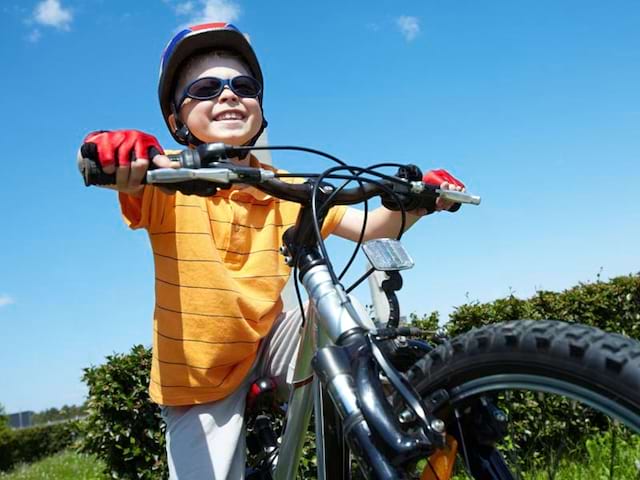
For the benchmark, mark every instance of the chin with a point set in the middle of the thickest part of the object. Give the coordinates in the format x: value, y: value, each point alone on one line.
x: 229, y: 137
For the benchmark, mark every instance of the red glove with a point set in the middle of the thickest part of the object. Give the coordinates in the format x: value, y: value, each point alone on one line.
x: 436, y: 177
x: 119, y: 147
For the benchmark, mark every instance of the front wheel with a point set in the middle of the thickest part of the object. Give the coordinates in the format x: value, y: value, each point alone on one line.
x: 534, y: 400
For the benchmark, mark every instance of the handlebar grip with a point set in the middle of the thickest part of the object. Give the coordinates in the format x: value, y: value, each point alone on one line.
x: 428, y: 202
x: 93, y: 174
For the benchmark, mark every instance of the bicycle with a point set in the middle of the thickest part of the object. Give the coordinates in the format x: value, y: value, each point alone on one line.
x: 400, y: 407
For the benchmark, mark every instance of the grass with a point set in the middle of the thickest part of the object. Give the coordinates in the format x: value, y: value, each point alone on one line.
x: 594, y: 464
x: 598, y: 462
x: 66, y: 465
x: 71, y: 465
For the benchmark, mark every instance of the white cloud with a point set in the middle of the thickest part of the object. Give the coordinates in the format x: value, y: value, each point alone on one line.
x: 6, y: 300
x: 205, y: 11
x: 409, y: 27
x: 185, y: 8
x: 52, y: 14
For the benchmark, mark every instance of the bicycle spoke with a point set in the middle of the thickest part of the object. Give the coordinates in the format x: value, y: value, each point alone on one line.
x: 514, y: 460
x: 556, y: 456
x: 467, y: 466
x: 613, y: 451
x: 508, y: 396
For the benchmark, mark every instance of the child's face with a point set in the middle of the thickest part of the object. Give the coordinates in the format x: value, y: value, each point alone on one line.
x: 227, y: 118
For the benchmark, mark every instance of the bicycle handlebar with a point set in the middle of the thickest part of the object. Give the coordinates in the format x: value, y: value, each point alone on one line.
x: 209, y: 162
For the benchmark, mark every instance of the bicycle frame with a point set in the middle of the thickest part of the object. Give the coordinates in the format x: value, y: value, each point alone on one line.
x: 330, y: 314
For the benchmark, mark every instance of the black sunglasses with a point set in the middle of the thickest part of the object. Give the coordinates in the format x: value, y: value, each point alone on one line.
x: 206, y: 88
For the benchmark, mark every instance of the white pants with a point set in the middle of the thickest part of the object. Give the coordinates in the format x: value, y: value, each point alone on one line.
x: 207, y: 441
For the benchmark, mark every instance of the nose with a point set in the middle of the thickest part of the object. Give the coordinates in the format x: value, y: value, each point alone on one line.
x: 227, y: 95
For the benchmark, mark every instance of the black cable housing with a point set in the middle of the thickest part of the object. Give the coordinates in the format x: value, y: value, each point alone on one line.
x: 318, y: 212
x: 326, y: 205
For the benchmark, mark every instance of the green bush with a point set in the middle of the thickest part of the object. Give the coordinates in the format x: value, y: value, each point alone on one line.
x: 4, y: 420
x: 29, y: 444
x: 613, y: 306
x: 123, y: 427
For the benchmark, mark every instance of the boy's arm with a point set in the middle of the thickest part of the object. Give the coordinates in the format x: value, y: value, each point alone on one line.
x: 381, y: 223
x: 385, y: 223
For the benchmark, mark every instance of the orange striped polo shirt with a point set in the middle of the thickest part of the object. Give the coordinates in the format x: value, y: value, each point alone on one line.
x: 218, y: 280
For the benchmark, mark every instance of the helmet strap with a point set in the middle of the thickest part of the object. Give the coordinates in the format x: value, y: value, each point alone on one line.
x: 183, y: 134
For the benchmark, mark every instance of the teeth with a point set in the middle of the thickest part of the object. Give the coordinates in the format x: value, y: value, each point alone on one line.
x: 229, y: 116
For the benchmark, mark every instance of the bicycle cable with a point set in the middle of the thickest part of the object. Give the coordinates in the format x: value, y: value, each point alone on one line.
x: 356, y: 176
x: 326, y: 205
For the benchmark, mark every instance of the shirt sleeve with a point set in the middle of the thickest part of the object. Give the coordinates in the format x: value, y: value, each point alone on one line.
x: 333, y: 219
x: 147, y: 210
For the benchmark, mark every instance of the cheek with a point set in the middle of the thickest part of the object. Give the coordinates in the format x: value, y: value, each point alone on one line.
x: 197, y: 113
x: 254, y: 108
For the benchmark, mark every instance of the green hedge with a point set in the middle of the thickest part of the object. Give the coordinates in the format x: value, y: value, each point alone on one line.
x: 4, y: 419
x: 29, y: 444
x: 124, y: 428
x: 613, y: 306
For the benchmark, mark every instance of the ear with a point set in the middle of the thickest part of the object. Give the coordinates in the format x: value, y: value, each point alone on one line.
x: 173, y: 122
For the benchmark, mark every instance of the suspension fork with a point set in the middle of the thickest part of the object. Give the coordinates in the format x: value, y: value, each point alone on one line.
x: 338, y: 319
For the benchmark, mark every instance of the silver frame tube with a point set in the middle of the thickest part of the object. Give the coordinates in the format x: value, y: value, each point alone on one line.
x: 322, y: 340
x: 336, y: 313
x: 300, y: 403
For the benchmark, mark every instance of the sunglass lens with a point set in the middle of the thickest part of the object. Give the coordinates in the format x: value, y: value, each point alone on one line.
x: 245, y: 86
x: 205, y: 88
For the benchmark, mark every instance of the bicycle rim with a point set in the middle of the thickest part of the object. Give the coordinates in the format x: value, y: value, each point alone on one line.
x: 566, y: 415
x: 607, y: 445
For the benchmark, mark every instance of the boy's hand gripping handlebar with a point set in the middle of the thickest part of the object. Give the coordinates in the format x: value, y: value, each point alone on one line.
x: 204, y: 183
x: 93, y: 173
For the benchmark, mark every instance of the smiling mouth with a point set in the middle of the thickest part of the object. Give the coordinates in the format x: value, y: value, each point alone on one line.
x: 229, y: 116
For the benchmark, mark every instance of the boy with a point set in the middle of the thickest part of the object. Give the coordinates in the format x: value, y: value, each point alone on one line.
x: 218, y: 320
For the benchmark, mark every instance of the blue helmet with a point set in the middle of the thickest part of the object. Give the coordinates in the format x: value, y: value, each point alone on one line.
x: 187, y: 43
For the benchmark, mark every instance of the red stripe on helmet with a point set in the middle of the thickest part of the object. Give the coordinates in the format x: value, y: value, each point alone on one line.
x: 205, y: 26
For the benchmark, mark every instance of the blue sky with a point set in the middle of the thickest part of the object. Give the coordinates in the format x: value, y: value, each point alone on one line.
x: 534, y: 104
